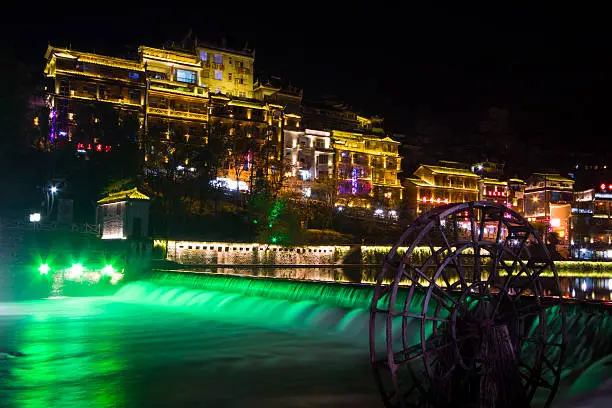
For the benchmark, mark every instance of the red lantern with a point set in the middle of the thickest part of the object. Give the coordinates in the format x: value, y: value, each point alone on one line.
x: 603, y: 186
x: 99, y: 147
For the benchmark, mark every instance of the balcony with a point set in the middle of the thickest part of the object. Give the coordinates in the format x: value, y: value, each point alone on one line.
x: 84, y: 95
x: 177, y: 114
x: 179, y: 88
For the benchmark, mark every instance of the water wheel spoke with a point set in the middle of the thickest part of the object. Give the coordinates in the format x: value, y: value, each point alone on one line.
x: 554, y: 368
x: 419, y: 317
x: 540, y: 341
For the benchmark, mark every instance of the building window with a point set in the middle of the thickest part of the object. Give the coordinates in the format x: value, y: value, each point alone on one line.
x: 217, y: 90
x: 157, y: 75
x: 229, y: 76
x: 203, y: 55
x: 229, y: 60
x: 242, y: 94
x: 240, y: 64
x: 218, y: 74
x: 183, y: 75
x: 218, y: 59
x: 133, y: 75
x: 241, y: 81
x: 134, y: 95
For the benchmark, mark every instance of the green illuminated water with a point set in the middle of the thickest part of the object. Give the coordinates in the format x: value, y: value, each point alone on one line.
x: 212, y: 340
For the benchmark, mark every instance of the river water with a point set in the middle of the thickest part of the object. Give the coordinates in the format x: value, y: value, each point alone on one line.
x: 156, y: 343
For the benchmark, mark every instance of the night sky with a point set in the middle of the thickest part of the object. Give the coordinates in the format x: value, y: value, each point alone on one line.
x: 550, y: 67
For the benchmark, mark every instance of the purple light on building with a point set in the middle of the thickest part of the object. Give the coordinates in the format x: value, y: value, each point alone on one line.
x: 355, y: 182
x: 53, y: 117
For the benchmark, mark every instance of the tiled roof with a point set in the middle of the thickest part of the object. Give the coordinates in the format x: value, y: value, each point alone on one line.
x: 553, y: 177
x: 132, y: 194
x: 450, y: 171
x: 495, y: 181
x: 419, y: 182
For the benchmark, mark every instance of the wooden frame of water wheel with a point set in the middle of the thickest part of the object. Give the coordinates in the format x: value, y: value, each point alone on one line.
x: 463, y: 318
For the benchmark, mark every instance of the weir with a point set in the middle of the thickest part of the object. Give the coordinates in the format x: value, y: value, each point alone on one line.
x: 336, y: 307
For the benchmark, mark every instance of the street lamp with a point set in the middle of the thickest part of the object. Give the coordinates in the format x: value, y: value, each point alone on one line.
x: 53, y: 190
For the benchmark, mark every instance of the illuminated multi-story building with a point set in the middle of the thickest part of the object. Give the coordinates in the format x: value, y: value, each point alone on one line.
x: 83, y: 84
x: 544, y: 189
x: 516, y: 195
x: 366, y: 168
x: 591, y: 222
x: 180, y: 98
x: 493, y: 190
x: 308, y: 157
x: 363, y: 163
x: 548, y: 199
x: 436, y: 185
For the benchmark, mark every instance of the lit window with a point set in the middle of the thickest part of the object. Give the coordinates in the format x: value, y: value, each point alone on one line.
x: 218, y: 74
x: 203, y: 55
x: 229, y: 76
x: 133, y: 75
x: 217, y: 90
x: 218, y: 59
x: 186, y: 76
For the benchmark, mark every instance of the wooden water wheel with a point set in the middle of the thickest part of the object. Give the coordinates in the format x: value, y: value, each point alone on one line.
x: 462, y: 313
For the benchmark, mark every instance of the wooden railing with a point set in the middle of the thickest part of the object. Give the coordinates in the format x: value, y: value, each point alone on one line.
x: 177, y: 114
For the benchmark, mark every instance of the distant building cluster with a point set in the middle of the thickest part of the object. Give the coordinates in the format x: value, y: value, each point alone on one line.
x: 184, y: 99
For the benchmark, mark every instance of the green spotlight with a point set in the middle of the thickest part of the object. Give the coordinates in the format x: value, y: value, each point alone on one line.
x: 76, y: 270
x: 108, y: 270
x: 44, y: 269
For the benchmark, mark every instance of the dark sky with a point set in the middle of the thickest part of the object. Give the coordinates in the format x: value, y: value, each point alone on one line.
x: 550, y: 67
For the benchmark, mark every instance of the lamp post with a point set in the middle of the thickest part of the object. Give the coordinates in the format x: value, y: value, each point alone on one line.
x: 52, y: 191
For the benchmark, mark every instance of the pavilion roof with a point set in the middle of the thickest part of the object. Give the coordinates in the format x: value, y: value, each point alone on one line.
x: 132, y: 194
